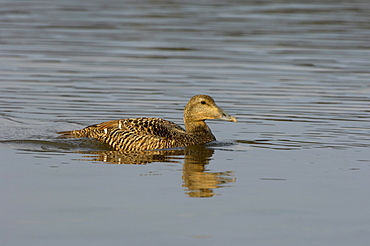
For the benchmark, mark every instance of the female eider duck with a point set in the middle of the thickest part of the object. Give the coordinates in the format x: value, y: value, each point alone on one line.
x: 137, y: 134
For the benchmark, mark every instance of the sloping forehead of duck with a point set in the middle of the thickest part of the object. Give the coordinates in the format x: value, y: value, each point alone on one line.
x: 199, y: 98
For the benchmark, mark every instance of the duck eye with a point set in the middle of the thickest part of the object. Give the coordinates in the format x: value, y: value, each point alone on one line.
x: 203, y: 102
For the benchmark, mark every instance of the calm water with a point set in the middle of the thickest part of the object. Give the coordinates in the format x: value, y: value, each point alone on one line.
x: 293, y: 171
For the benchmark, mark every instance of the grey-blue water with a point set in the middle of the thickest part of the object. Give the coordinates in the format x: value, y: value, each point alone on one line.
x: 295, y: 169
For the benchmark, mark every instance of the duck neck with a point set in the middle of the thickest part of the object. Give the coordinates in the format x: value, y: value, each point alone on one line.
x: 198, y: 128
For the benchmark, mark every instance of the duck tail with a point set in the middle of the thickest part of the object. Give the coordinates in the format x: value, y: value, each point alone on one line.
x: 69, y: 134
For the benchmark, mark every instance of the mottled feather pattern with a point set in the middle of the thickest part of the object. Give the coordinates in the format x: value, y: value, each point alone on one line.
x: 137, y: 134
x: 140, y: 134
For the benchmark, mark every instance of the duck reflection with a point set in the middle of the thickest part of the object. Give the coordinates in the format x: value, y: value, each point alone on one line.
x: 197, y: 179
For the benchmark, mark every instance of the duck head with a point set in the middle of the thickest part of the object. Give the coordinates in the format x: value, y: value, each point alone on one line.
x: 203, y: 107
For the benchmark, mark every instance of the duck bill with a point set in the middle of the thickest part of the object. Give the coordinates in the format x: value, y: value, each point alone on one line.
x: 227, y: 117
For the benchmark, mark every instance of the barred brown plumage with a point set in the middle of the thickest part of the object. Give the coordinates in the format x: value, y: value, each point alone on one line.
x: 137, y: 134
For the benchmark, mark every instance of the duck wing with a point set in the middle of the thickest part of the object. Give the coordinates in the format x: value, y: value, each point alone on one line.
x: 134, y: 134
x: 140, y: 134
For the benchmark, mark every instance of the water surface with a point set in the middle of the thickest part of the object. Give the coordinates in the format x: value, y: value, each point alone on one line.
x: 293, y: 171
